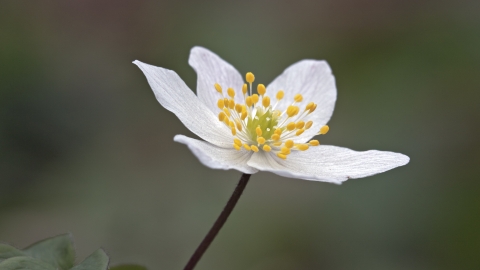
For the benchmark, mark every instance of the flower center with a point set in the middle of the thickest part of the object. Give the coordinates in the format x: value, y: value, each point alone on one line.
x: 257, y: 125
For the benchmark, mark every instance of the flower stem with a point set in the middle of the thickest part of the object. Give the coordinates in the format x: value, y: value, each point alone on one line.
x: 219, y: 222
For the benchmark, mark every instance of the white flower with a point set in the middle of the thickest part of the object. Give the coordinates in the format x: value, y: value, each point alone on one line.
x: 268, y: 131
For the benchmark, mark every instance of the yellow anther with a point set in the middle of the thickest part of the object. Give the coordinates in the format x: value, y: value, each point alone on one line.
x: 231, y: 92
x: 302, y: 147
x: 282, y: 156
x: 275, y: 137
x: 222, y: 116
x: 300, y: 124
x: 244, y: 108
x: 238, y: 108
x: 277, y: 143
x: 247, y: 147
x: 218, y: 88
x: 225, y: 100
x: 313, y: 108
x: 324, y: 129
x: 231, y: 104
x: 236, y: 147
x: 244, y: 88
x: 237, y: 142
x: 299, y: 132
x: 226, y: 121
x: 314, y: 143
x: 292, y: 110
x: 250, y: 77
x: 234, y: 131
x: 231, y: 124
x: 278, y: 131
x: 254, y: 98
x: 254, y: 148
x: 261, y: 89
x: 267, y: 148
x: 261, y: 140
x: 309, y: 106
x: 285, y: 151
x: 226, y: 111
x: 266, y: 101
x: 308, y: 124
x: 280, y: 95
x: 239, y: 125
x: 291, y: 126
x: 221, y: 103
x: 258, y: 130
x: 244, y: 115
x: 289, y: 144
x: 298, y: 98
x: 249, y: 101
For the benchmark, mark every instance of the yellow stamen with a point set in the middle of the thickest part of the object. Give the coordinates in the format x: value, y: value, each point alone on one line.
x: 299, y: 132
x: 298, y: 98
x: 218, y: 88
x: 289, y: 144
x: 309, y: 106
x: 239, y: 125
x: 291, y: 126
x: 292, y: 110
x: 250, y: 77
x: 231, y: 124
x: 313, y: 108
x: 247, y: 147
x: 266, y: 101
x: 244, y: 88
x: 222, y: 116
x: 226, y: 121
x: 258, y: 130
x: 300, y: 124
x: 275, y: 137
x: 255, y: 98
x: 261, y: 140
x: 237, y: 142
x: 234, y: 131
x: 278, y: 131
x: 282, y: 156
x: 221, y: 103
x: 244, y: 115
x: 254, y: 148
x: 231, y: 103
x: 308, y: 124
x: 280, y: 95
x: 227, y: 112
x: 231, y: 92
x: 238, y: 108
x: 324, y: 130
x: 249, y: 101
x: 267, y: 148
x: 302, y: 147
x: 236, y: 147
x: 277, y: 143
x: 261, y: 89
x: 285, y: 151
x: 314, y: 143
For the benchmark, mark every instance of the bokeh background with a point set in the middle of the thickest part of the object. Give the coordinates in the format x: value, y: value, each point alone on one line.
x: 85, y: 147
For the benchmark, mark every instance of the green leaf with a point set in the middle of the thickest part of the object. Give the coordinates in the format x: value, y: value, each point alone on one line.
x: 57, y: 251
x: 7, y: 252
x: 97, y: 261
x: 128, y: 267
x: 25, y: 263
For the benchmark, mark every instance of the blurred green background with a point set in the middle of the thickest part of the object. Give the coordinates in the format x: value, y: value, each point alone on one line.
x: 85, y: 147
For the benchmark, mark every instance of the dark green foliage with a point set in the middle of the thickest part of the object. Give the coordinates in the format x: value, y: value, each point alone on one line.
x: 56, y: 253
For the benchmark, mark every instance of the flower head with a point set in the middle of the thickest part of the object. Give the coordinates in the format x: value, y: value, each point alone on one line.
x: 251, y: 127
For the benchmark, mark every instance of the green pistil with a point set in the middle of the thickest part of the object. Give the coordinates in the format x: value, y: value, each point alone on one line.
x: 266, y: 121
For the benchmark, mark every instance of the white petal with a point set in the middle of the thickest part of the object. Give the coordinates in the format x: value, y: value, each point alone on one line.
x: 176, y: 97
x: 329, y: 163
x: 212, y: 69
x: 315, y: 81
x: 216, y: 157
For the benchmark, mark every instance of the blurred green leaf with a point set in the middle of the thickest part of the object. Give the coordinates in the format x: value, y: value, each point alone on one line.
x: 7, y: 252
x: 57, y: 251
x: 128, y: 267
x: 25, y: 263
x: 97, y: 261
